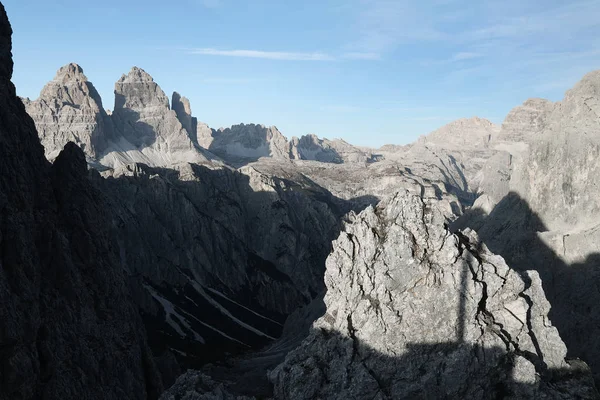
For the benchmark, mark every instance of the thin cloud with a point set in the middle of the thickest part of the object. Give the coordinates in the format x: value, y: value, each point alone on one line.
x: 362, y: 56
x: 269, y: 55
x: 466, y: 56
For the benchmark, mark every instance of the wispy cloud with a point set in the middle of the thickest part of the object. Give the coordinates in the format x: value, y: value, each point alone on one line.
x: 361, y: 56
x: 465, y: 56
x: 269, y: 55
x: 284, y: 55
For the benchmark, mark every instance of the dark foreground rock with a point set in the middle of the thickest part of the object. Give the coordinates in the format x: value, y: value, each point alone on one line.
x: 68, y: 329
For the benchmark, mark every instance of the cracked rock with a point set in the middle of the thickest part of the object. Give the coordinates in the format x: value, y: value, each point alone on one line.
x: 415, y: 312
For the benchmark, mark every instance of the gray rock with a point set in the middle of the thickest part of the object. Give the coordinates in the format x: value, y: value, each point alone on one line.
x: 413, y: 311
x: 181, y: 106
x: 249, y: 141
x: 142, y: 128
x: 69, y: 109
x: 219, y: 258
x: 548, y: 222
x: 149, y: 130
x: 69, y: 329
x: 311, y: 147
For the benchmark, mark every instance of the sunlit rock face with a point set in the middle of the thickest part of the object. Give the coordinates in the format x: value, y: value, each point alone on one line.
x: 69, y: 109
x: 141, y: 128
x: 543, y: 214
x: 414, y: 311
x: 181, y: 106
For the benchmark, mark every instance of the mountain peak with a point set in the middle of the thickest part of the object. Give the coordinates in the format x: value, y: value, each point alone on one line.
x: 136, y: 75
x: 589, y: 85
x: 69, y: 72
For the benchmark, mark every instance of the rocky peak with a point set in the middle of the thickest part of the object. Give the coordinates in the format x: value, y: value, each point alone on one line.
x: 183, y: 109
x: 589, y: 85
x: 311, y: 147
x: 250, y: 141
x: 71, y: 71
x: 524, y: 122
x: 415, y: 312
x: 472, y: 132
x: 70, y: 109
x: 138, y: 91
x: 136, y: 75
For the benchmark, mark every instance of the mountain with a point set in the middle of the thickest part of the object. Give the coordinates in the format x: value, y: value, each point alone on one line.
x: 249, y: 141
x: 70, y: 109
x: 217, y: 259
x: 464, y: 265
x: 69, y: 329
x: 544, y: 216
x: 461, y: 148
x: 413, y: 311
x: 310, y: 147
x: 141, y: 128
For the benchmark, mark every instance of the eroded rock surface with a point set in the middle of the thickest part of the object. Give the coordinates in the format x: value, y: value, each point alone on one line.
x: 70, y: 109
x: 547, y: 219
x: 413, y: 311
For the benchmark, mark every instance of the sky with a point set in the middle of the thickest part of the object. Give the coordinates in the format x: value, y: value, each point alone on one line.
x: 370, y: 72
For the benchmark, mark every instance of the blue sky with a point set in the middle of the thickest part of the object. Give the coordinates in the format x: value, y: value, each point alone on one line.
x: 368, y: 71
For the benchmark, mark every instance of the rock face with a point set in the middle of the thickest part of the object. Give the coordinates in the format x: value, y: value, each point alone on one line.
x: 218, y: 258
x: 415, y: 312
x: 70, y: 109
x: 249, y: 141
x: 562, y: 166
x: 142, y: 127
x: 310, y: 147
x: 473, y: 133
x: 467, y: 142
x: 181, y: 106
x: 69, y: 329
x: 545, y: 218
x: 523, y: 125
x: 149, y: 130
x: 523, y: 122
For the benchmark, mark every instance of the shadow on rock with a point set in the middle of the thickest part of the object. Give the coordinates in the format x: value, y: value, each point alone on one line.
x: 343, y: 367
x: 217, y: 260
x: 512, y: 230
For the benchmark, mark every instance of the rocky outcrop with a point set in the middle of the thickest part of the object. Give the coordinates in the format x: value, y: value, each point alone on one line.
x: 524, y: 122
x: 311, y: 147
x: 69, y: 329
x: 181, y: 106
x: 473, y: 133
x: 522, y: 125
x: 545, y: 218
x: 149, y: 130
x: 561, y: 169
x: 249, y: 141
x: 70, y: 109
x: 416, y: 312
